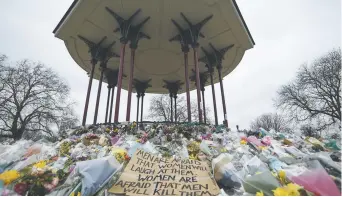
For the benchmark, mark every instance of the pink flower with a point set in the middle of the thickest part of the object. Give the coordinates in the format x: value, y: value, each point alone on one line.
x: 55, y: 181
x: 49, y: 186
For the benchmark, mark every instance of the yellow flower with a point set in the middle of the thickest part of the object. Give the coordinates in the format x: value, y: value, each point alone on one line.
x: 72, y: 194
x: 294, y: 193
x: 116, y: 130
x: 258, y: 173
x: 280, y: 192
x: 260, y: 193
x: 107, y: 130
x: 193, y: 156
x: 78, y: 193
x: 262, y: 147
x: 119, y: 154
x: 243, y: 142
x: 293, y: 186
x: 293, y: 189
x: 40, y: 164
x: 289, y: 190
x: 9, y: 176
x: 282, y: 176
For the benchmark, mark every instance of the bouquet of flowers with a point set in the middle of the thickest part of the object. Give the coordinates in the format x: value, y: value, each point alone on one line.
x: 90, y: 138
x: 37, y: 179
x: 64, y: 148
x: 193, y: 149
x: 120, y: 154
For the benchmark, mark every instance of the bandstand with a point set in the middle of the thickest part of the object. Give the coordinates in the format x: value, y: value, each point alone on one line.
x: 155, y: 46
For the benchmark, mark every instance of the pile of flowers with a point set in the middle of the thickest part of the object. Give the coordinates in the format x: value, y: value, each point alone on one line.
x: 37, y: 179
x: 230, y: 153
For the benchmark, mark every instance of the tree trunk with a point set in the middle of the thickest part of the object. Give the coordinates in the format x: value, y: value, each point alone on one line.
x: 19, y: 134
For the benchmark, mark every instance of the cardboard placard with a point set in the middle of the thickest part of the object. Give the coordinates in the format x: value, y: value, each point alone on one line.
x: 147, y: 174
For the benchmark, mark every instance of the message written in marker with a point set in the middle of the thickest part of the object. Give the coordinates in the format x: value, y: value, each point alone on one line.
x: 148, y: 174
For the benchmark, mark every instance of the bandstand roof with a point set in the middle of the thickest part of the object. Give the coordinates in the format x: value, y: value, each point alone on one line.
x: 157, y: 59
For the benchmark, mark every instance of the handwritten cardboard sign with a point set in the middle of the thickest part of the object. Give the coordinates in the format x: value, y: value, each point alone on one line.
x: 148, y: 174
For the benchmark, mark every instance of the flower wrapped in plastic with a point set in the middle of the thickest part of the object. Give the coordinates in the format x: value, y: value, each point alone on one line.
x: 205, y: 148
x: 103, y: 141
x: 13, y: 153
x: 34, y: 149
x: 255, y: 141
x: 275, y: 164
x: 40, y: 181
x: 266, y: 140
x: 256, y: 177
x: 313, y: 178
x: 120, y: 154
x: 225, y: 173
x: 90, y: 138
x: 64, y: 148
x: 143, y: 138
x: 295, y: 152
x: 80, y: 152
x: 92, y: 176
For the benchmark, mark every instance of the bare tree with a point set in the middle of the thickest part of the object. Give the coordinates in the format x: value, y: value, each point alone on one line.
x: 33, y: 101
x: 160, y: 109
x: 315, y: 94
x: 271, y: 121
x: 309, y: 131
x: 2, y: 76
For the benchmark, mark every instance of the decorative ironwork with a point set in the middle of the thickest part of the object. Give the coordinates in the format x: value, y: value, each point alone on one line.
x: 191, y: 35
x: 212, y: 60
x: 215, y: 58
x: 173, y: 87
x: 135, y: 34
x: 124, y: 25
x: 111, y: 76
x: 94, y: 48
x: 140, y: 88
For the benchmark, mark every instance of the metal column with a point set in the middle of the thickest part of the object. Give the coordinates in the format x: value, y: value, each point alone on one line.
x: 187, y: 89
x: 107, y: 106
x: 138, y: 99
x: 171, y: 118
x: 175, y: 97
x: 130, y: 84
x: 204, y: 112
x: 225, y: 121
x: 111, y: 106
x: 214, y: 97
x: 88, y: 93
x: 98, y: 95
x: 198, y: 85
x: 142, y: 106
x: 118, y: 91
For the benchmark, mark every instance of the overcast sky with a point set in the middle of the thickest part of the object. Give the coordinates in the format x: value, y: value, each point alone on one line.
x: 287, y: 33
